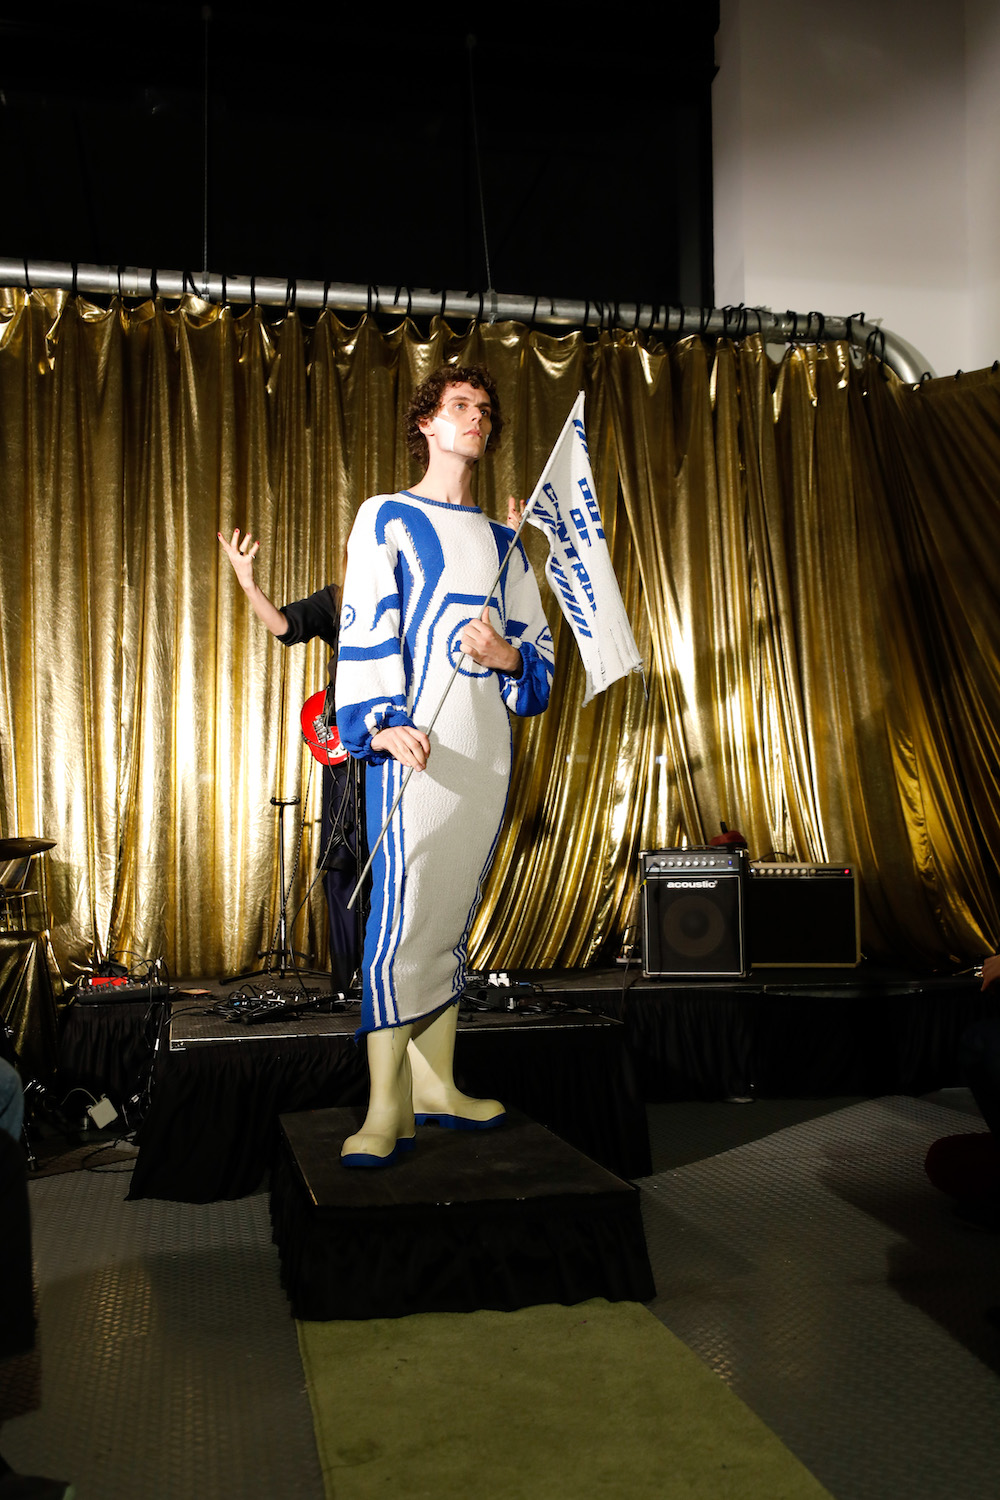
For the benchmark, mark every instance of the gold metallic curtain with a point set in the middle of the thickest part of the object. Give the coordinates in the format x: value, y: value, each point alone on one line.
x: 809, y: 553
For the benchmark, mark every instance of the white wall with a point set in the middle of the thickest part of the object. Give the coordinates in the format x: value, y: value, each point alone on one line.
x: 983, y: 178
x: 857, y: 166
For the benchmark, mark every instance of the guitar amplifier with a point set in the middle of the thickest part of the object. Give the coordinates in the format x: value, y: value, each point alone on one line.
x: 803, y: 916
x: 693, y: 913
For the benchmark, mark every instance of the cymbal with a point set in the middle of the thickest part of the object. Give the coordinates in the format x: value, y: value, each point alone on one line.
x: 18, y: 848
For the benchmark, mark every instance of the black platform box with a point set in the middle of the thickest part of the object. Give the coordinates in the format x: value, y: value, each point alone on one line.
x: 480, y: 1219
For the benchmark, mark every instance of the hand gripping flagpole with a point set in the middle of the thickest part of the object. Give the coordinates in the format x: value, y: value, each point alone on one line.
x: 447, y: 690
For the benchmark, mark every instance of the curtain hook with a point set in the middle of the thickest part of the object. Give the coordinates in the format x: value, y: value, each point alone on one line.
x: 253, y: 290
x: 72, y: 290
x: 326, y: 295
x: 27, y: 278
x: 444, y: 302
x: 290, y: 286
x: 928, y: 376
x: 876, y: 347
x: 154, y: 286
x: 224, y: 295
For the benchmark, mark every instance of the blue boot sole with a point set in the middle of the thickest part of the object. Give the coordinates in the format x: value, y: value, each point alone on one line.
x: 365, y: 1158
x: 459, y: 1122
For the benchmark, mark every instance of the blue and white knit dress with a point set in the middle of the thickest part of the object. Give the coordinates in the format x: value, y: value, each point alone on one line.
x: 417, y: 571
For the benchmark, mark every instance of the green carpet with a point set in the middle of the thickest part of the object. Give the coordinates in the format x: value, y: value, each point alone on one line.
x: 549, y: 1403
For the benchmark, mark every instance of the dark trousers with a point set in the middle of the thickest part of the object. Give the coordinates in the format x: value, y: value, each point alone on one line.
x: 339, y: 841
x: 979, y: 1055
x: 17, y: 1313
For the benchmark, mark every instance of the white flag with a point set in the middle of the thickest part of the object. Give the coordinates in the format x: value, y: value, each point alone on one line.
x: 564, y: 506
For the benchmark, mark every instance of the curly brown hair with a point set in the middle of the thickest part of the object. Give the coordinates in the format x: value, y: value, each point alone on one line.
x: 428, y: 396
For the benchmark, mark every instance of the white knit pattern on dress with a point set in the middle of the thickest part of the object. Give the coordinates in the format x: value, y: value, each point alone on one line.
x: 418, y: 570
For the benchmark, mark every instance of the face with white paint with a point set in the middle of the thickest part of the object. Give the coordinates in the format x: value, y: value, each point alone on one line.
x: 462, y: 423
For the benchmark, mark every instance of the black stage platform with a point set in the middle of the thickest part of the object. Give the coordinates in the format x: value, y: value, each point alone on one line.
x: 788, y: 1032
x: 480, y: 1219
x: 218, y: 1089
x: 590, y: 1048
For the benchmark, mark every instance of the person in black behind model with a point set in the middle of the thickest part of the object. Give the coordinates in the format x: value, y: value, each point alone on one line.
x: 304, y: 620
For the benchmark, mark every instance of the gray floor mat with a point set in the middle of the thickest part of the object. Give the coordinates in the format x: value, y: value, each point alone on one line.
x: 170, y: 1364
x: 816, y: 1270
x: 820, y: 1274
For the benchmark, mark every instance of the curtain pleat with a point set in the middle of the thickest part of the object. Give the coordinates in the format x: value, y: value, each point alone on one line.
x: 808, y: 550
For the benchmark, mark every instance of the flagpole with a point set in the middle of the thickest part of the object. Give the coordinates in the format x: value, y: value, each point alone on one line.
x: 410, y: 769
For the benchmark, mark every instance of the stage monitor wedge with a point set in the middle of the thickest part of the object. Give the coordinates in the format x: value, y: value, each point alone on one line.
x: 692, y: 913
